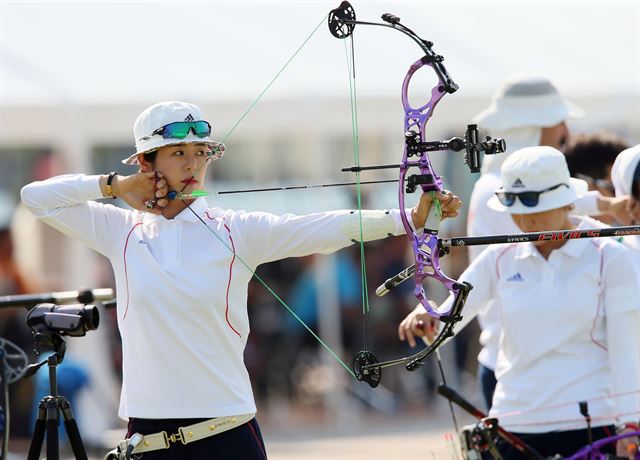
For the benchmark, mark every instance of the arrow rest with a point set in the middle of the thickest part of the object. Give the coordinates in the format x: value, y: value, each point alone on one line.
x: 372, y: 376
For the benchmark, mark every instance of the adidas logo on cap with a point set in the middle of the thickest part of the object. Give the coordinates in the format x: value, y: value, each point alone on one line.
x: 189, y: 118
x: 517, y: 183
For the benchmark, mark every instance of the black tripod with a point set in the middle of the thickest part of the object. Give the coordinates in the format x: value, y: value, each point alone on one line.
x: 51, y: 406
x: 49, y: 322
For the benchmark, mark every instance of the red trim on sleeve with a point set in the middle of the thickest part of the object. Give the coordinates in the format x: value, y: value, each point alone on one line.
x: 126, y: 278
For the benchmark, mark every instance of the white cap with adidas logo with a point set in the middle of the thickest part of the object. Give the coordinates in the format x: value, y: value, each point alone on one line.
x: 162, y: 114
x: 537, y: 169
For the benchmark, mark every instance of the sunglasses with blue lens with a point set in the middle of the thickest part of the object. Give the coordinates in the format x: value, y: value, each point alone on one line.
x: 181, y: 129
x: 529, y: 199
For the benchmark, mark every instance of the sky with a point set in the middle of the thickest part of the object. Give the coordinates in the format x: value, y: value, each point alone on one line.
x: 111, y: 52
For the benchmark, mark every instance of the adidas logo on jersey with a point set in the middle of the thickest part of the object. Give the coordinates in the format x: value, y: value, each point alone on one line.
x: 516, y: 277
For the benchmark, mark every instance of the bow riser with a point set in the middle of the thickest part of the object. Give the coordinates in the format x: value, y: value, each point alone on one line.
x: 425, y: 245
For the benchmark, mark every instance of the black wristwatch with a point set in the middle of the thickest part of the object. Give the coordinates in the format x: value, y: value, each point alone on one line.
x: 107, y: 188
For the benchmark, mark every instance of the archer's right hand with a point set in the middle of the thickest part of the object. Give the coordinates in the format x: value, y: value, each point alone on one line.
x: 418, y: 323
x: 140, y: 189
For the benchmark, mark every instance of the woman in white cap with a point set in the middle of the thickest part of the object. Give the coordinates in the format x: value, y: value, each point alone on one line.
x: 527, y: 110
x: 569, y: 312
x: 182, y: 271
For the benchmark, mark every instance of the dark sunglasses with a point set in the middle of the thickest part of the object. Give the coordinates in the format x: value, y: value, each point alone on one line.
x: 181, y: 129
x: 529, y: 199
x: 603, y: 184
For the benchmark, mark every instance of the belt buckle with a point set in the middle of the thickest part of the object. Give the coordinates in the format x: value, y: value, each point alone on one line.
x: 173, y: 438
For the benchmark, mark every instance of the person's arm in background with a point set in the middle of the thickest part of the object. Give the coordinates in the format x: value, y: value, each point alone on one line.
x: 624, y: 209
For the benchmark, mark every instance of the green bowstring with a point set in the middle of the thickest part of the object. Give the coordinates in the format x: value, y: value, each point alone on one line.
x: 254, y: 274
x: 277, y: 297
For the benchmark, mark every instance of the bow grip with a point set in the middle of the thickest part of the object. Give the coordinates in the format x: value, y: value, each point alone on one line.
x: 432, y: 224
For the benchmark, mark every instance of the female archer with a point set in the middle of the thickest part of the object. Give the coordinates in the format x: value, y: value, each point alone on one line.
x: 569, y: 310
x: 182, y: 270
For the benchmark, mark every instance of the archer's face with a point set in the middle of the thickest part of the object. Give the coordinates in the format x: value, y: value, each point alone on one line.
x: 183, y: 166
x: 553, y: 219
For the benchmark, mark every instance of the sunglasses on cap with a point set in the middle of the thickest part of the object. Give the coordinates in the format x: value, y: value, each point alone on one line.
x: 181, y: 129
x: 529, y: 199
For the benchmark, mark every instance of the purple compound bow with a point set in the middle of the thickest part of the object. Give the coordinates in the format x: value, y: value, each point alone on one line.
x: 592, y: 452
x: 425, y: 243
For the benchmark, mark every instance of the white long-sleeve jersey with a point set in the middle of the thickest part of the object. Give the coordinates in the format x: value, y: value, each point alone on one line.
x: 182, y: 287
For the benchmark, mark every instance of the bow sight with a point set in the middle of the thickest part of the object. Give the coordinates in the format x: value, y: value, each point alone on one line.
x: 473, y: 150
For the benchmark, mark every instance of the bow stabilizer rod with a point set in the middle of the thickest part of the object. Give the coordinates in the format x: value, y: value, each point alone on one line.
x: 446, y: 243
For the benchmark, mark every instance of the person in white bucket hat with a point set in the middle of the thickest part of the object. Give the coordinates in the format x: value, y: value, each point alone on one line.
x: 535, y: 180
x: 527, y: 110
x: 569, y: 312
x: 181, y: 291
x: 526, y: 99
x: 625, y: 173
x: 625, y: 176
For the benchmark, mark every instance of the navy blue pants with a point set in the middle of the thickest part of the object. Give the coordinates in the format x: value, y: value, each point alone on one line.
x: 564, y: 443
x: 241, y: 443
x: 488, y: 382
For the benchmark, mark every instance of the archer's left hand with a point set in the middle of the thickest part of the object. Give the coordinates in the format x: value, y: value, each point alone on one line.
x: 449, y: 202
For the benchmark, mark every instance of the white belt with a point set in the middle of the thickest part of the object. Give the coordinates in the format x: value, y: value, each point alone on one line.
x: 191, y: 433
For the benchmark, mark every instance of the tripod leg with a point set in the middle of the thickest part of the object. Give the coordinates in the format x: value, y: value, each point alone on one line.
x: 72, y: 429
x: 38, y: 432
x: 53, y: 421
